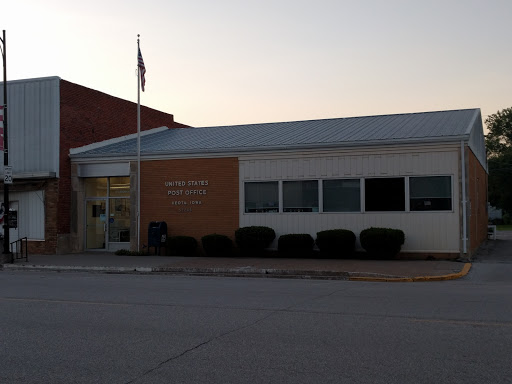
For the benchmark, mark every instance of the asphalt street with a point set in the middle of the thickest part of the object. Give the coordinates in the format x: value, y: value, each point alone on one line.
x: 109, y: 328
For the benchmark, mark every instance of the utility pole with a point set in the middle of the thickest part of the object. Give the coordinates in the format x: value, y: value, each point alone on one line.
x: 7, y: 253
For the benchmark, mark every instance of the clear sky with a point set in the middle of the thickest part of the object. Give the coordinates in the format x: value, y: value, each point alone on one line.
x: 223, y: 62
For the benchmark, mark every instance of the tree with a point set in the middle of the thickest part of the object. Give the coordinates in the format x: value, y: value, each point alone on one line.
x: 500, y: 181
x: 499, y: 150
x: 499, y: 139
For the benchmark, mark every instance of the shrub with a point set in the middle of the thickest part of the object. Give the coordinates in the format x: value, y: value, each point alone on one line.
x: 295, y: 245
x: 382, y: 243
x: 126, y: 252
x: 255, y: 238
x: 182, y: 245
x: 336, y: 242
x: 217, y: 245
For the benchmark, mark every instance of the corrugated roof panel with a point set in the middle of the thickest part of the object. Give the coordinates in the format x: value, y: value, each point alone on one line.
x: 342, y: 131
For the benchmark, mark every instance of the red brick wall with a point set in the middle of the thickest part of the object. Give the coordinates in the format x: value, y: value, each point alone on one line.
x: 88, y: 116
x: 218, y: 210
x: 478, y: 199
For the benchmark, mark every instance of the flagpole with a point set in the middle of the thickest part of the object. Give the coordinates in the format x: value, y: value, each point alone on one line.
x: 6, y: 251
x: 138, y: 147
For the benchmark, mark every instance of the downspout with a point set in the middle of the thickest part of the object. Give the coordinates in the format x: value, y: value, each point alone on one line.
x: 464, y: 203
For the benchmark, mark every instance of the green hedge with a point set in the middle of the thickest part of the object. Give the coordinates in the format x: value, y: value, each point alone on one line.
x: 255, y: 238
x: 182, y: 245
x: 295, y: 245
x: 127, y: 252
x: 217, y: 245
x: 382, y: 243
x: 336, y: 243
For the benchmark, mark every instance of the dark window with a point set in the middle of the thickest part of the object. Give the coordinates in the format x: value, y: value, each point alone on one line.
x: 385, y: 194
x: 261, y: 197
x: 342, y: 195
x: 300, y: 196
x: 432, y: 193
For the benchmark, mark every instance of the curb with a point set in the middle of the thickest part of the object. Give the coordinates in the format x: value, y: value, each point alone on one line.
x: 451, y: 276
x: 255, y: 272
x: 246, y: 272
x: 68, y: 268
x: 231, y: 272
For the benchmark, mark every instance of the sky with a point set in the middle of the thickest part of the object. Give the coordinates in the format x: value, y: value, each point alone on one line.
x: 227, y: 62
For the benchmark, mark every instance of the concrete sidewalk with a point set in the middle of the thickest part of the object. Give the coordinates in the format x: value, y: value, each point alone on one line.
x: 368, y: 270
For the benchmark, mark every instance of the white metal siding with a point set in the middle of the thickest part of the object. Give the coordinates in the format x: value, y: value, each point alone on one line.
x: 424, y: 231
x: 31, y: 214
x: 33, y: 125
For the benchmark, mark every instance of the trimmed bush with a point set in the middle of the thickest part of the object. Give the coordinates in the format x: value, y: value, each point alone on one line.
x: 382, y: 243
x: 126, y: 252
x: 217, y: 245
x: 255, y: 238
x: 295, y: 245
x: 123, y: 252
x: 182, y: 245
x: 336, y: 243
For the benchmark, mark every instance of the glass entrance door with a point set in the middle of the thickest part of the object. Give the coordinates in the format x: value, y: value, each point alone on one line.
x: 119, y: 221
x: 96, y: 224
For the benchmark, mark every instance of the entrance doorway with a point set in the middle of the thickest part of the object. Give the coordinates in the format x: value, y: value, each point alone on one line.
x: 107, y: 213
x: 96, y: 224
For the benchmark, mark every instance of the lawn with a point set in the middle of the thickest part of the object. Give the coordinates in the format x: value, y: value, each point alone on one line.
x: 504, y: 227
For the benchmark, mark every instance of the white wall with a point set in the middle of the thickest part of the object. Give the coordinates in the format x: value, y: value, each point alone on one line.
x: 424, y: 231
x: 33, y: 129
x: 31, y: 215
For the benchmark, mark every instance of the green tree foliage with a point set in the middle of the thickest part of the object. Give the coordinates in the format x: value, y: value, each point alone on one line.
x: 499, y: 150
x: 499, y: 139
x: 500, y: 181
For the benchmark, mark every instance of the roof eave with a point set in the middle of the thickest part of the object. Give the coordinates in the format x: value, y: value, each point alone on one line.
x: 297, y: 147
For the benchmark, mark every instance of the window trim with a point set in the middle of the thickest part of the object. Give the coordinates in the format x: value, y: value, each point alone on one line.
x: 362, y: 191
x: 361, y: 195
x: 437, y: 210
x: 387, y: 177
x: 262, y: 181
x: 282, y: 208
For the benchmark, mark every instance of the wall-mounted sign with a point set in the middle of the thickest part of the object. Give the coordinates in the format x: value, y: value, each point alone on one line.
x: 8, y: 174
x: 13, y: 218
x: 186, y: 194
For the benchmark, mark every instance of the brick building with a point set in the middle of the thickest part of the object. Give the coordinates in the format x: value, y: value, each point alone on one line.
x: 47, y: 117
x: 424, y: 173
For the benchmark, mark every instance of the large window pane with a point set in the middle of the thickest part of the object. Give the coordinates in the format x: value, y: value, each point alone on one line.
x: 96, y: 187
x: 385, y: 194
x: 300, y: 196
x: 432, y: 193
x: 261, y: 197
x: 119, y: 187
x: 342, y: 195
x: 119, y: 220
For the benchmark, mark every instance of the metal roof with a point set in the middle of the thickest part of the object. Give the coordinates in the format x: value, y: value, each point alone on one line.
x: 353, y: 131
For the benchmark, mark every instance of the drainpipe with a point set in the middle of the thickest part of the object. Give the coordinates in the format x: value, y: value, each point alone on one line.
x: 464, y: 202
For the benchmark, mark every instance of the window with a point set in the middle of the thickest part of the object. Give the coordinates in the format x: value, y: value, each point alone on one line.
x: 385, y: 194
x: 96, y: 187
x: 119, y: 187
x: 342, y: 195
x: 261, y: 197
x: 432, y: 193
x: 107, y: 207
x: 300, y: 196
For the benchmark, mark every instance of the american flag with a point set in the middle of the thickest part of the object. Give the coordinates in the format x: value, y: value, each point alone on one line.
x: 1, y: 128
x: 142, y: 70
